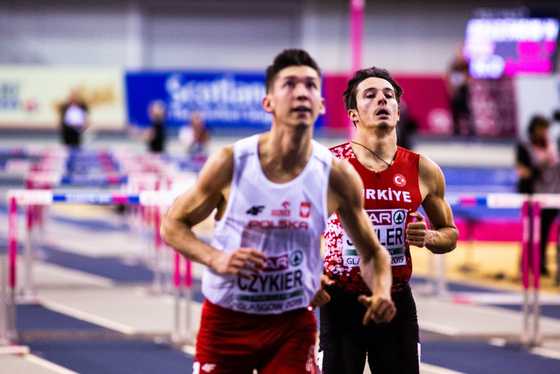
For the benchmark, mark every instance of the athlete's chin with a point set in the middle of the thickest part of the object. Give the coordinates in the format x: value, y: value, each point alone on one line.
x: 387, y: 126
x: 303, y: 124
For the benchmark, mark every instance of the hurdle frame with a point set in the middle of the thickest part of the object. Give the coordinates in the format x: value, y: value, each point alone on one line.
x: 47, y: 197
x: 529, y: 204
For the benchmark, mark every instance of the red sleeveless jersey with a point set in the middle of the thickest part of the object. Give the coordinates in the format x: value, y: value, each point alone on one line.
x: 389, y: 195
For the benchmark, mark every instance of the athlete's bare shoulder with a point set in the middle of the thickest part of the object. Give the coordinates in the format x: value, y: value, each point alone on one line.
x: 430, y: 176
x: 345, y: 185
x: 342, y: 171
x: 218, y: 170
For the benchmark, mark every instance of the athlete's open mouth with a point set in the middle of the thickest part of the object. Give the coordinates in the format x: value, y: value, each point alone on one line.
x: 382, y: 112
x: 301, y: 109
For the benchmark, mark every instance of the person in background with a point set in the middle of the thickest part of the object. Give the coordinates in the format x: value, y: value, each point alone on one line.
x: 272, y: 193
x: 196, y: 136
x: 396, y: 183
x: 458, y: 78
x: 156, y: 135
x: 73, y: 119
x: 539, y: 172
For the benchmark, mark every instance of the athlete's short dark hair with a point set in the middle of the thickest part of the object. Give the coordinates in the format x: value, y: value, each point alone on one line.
x: 287, y: 58
x: 374, y: 72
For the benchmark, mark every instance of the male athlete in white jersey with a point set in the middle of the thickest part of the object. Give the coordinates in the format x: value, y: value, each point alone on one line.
x: 273, y: 193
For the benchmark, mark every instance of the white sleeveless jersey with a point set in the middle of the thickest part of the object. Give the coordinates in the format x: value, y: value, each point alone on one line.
x: 284, y: 221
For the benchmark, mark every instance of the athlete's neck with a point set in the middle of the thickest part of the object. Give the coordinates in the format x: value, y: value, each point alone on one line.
x: 375, y: 151
x: 283, y: 155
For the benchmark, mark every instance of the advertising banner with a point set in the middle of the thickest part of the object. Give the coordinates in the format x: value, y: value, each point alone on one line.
x: 225, y: 99
x: 426, y: 102
x: 30, y: 97
x: 425, y: 97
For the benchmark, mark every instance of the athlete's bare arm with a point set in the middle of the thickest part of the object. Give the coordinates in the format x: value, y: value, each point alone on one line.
x: 443, y: 234
x: 346, y: 198
x: 196, y: 204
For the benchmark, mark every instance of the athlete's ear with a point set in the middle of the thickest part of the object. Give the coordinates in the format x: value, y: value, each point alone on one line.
x: 267, y: 103
x: 352, y: 114
x: 323, y: 107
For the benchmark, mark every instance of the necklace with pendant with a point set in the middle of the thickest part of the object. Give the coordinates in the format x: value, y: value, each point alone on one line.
x: 375, y: 154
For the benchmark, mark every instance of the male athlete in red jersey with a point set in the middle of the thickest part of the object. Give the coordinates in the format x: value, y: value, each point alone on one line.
x: 396, y: 182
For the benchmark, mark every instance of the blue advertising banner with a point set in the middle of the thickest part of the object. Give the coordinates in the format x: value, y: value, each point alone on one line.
x: 227, y: 100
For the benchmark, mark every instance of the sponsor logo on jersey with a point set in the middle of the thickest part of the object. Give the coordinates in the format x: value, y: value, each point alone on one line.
x: 276, y: 263
x: 399, y: 216
x: 255, y: 210
x: 387, y: 217
x: 282, y: 212
x: 206, y: 368
x: 381, y: 217
x: 296, y: 257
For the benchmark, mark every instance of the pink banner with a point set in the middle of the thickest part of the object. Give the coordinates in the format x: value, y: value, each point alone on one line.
x: 427, y: 103
x: 431, y: 114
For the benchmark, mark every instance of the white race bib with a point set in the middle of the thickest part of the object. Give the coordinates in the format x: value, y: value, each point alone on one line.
x: 390, y: 226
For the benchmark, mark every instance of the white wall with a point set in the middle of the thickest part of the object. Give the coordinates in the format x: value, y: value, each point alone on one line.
x: 239, y: 35
x: 406, y: 36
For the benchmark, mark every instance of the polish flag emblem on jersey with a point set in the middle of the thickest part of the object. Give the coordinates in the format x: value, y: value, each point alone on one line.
x: 305, y: 209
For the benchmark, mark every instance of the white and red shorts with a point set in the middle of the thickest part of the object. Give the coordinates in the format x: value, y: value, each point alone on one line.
x: 235, y: 342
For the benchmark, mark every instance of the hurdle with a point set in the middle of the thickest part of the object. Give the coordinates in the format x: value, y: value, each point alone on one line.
x: 181, y: 334
x: 8, y: 333
x: 157, y: 199
x: 530, y: 206
x: 8, y: 315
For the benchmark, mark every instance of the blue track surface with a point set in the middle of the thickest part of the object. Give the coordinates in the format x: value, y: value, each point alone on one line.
x: 108, y: 267
x: 113, y: 356
x: 483, y: 358
x: 139, y: 356
x: 35, y: 317
x: 123, y: 356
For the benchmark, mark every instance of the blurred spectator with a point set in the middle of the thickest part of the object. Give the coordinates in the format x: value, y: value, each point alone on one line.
x: 406, y: 127
x: 196, y: 136
x: 156, y: 134
x: 538, y: 170
x: 458, y: 78
x: 73, y: 119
